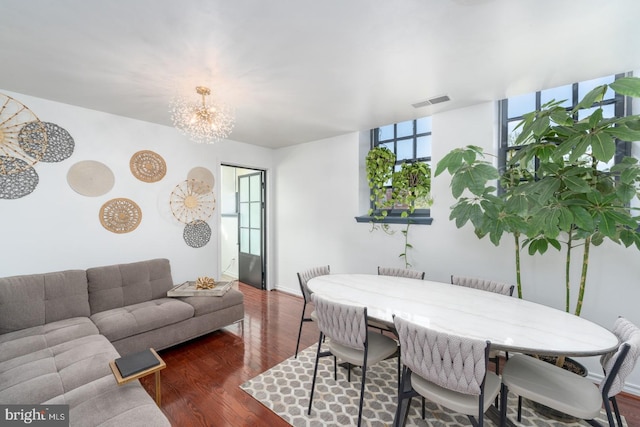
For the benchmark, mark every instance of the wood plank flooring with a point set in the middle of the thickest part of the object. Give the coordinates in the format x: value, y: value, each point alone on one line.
x: 200, y: 386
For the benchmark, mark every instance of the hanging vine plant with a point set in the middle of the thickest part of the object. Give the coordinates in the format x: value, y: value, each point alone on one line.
x: 380, y: 163
x: 410, y: 189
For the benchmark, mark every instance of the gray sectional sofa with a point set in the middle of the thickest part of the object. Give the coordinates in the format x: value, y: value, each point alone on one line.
x: 58, y: 332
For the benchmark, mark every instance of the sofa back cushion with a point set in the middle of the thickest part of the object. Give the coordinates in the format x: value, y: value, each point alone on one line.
x: 35, y: 299
x: 120, y: 285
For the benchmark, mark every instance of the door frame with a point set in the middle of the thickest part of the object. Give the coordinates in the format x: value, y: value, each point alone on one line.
x: 266, y: 245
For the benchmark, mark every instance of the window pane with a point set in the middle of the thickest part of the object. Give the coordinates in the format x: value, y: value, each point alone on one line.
x: 558, y: 94
x: 244, y: 214
x: 608, y: 112
x: 255, y: 187
x: 255, y: 242
x: 255, y: 215
x: 390, y: 146
x: 385, y: 132
x: 244, y: 189
x: 511, y: 134
x: 423, y: 125
x: 585, y: 87
x: 519, y: 105
x: 423, y: 148
x: 405, y: 129
x: 244, y: 240
x: 405, y: 149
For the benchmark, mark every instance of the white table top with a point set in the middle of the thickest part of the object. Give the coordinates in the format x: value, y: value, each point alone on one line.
x: 508, y: 322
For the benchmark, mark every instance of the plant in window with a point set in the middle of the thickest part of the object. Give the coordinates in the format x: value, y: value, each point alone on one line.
x: 410, y: 189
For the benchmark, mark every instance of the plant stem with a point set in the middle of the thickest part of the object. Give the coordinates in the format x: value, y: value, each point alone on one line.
x: 406, y: 245
x: 567, y: 274
x: 516, y: 237
x: 583, y: 276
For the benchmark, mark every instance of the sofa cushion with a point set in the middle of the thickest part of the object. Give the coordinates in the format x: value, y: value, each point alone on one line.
x: 26, y: 341
x: 33, y: 300
x: 205, y: 305
x: 116, y: 286
x: 44, y: 374
x: 135, y: 319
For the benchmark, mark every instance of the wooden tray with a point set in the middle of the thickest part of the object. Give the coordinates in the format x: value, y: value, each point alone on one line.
x: 188, y: 289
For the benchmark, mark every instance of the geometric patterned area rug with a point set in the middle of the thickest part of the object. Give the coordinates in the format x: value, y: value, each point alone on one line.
x: 284, y: 389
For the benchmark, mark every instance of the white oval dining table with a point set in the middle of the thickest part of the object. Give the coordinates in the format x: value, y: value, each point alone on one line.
x: 510, y: 323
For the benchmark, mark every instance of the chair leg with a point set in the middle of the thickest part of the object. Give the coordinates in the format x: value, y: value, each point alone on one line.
x: 304, y: 307
x: 335, y: 368
x: 519, y: 408
x: 504, y: 391
x: 364, y: 377
x: 614, y: 402
x: 315, y: 372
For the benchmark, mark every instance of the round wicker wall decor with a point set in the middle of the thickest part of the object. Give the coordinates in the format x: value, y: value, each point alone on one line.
x: 192, y: 200
x: 148, y: 166
x: 120, y: 215
x: 22, y: 136
x: 17, y: 185
x: 197, y: 233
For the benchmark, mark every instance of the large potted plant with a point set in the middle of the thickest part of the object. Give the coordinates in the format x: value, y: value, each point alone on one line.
x: 558, y: 189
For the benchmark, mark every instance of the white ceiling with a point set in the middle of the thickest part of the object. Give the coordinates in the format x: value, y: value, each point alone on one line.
x: 303, y: 70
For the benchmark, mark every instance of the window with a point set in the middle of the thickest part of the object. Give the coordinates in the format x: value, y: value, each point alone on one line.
x: 410, y: 141
x: 512, y: 110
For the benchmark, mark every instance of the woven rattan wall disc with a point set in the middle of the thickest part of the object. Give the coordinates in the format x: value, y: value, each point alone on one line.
x: 120, y: 215
x: 22, y: 136
x: 90, y: 178
x: 192, y: 200
x: 197, y: 233
x: 17, y: 185
x: 202, y: 174
x: 148, y: 166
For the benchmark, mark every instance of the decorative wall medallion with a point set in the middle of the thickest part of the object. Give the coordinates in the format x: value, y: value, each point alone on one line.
x: 192, y: 200
x: 148, y: 166
x: 20, y: 184
x: 26, y: 143
x: 59, y: 143
x: 90, y: 178
x: 202, y: 174
x: 197, y: 233
x: 120, y: 215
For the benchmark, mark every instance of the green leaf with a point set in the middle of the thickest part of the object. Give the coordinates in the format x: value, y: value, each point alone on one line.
x: 629, y: 86
x: 625, y: 192
x: 576, y: 184
x: 595, y: 95
x: 603, y: 146
x: 623, y: 133
x: 582, y: 218
x: 451, y: 162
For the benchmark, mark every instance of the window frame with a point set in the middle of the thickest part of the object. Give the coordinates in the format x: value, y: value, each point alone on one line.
x: 621, y: 109
x: 394, y: 216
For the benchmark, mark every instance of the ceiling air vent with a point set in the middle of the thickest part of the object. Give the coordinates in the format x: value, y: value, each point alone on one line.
x: 431, y: 101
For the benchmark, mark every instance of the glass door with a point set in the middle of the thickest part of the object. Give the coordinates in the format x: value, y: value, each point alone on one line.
x: 251, y: 241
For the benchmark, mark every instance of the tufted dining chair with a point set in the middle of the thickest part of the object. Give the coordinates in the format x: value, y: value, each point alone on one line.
x: 570, y: 393
x: 446, y: 369
x: 349, y: 340
x: 401, y: 272
x: 303, y: 278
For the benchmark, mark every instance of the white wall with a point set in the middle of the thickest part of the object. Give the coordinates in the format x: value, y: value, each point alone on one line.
x: 319, y: 191
x: 55, y: 228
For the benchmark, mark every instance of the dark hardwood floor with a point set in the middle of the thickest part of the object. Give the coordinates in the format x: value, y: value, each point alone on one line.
x: 200, y: 386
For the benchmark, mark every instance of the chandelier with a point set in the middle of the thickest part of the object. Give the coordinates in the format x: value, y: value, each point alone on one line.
x: 201, y: 122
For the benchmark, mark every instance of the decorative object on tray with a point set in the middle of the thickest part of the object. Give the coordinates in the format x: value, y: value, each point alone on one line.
x: 148, y: 166
x: 18, y: 141
x: 20, y: 184
x: 189, y: 289
x: 197, y: 233
x: 205, y: 282
x: 192, y: 200
x: 120, y: 215
x: 59, y: 143
x: 90, y: 178
x: 202, y: 174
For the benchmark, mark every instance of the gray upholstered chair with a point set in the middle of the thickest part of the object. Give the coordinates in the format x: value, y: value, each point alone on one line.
x: 489, y: 286
x: 303, y: 278
x: 446, y: 369
x: 349, y: 340
x: 569, y: 393
x: 401, y: 272
x: 482, y: 284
